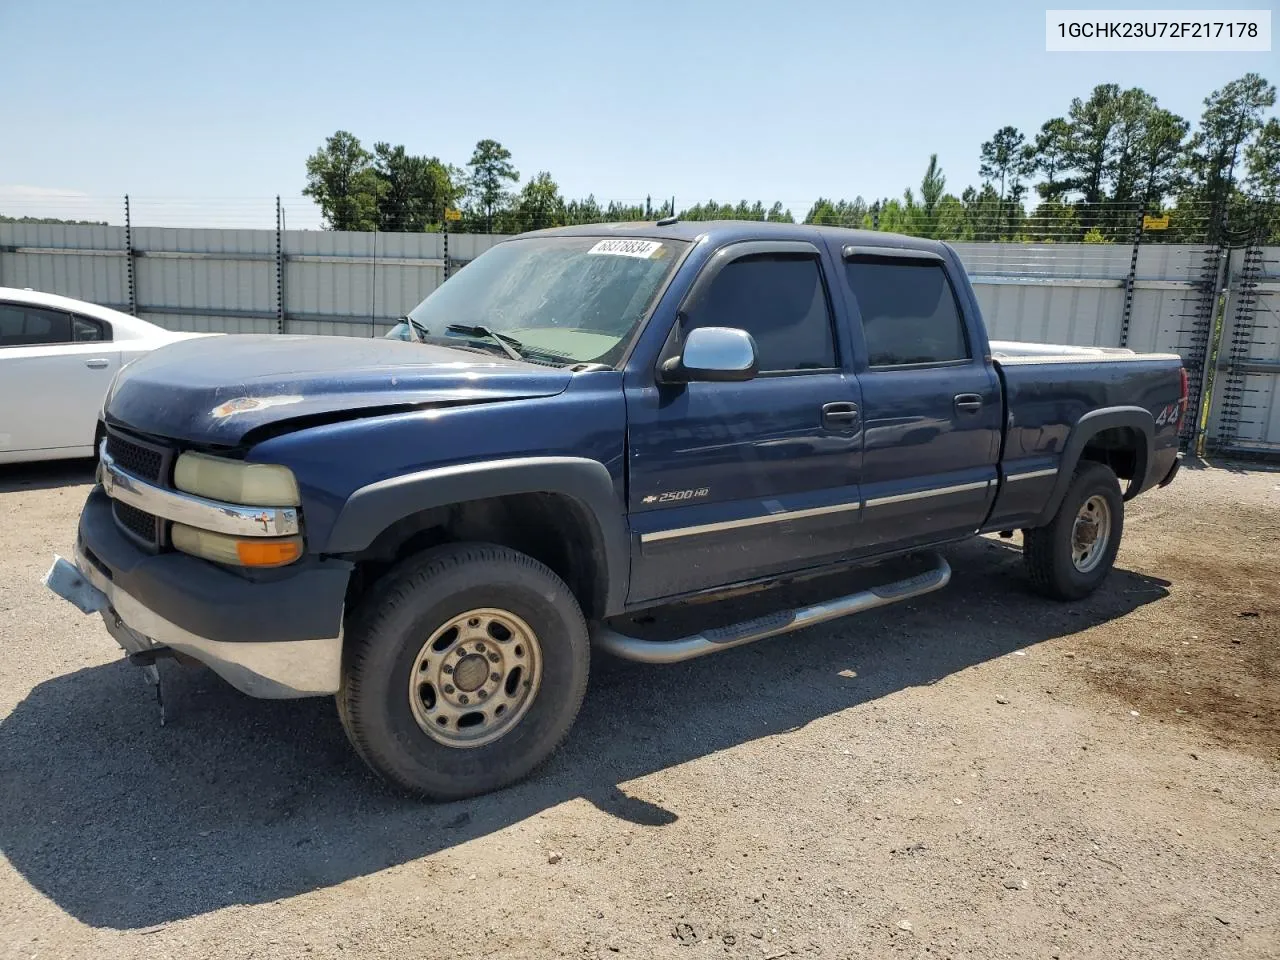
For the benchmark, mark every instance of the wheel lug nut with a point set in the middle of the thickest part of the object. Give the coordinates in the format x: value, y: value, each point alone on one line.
x: 493, y: 658
x: 495, y: 677
x: 448, y: 688
x: 462, y: 698
x: 482, y: 694
x: 447, y: 668
x: 479, y: 648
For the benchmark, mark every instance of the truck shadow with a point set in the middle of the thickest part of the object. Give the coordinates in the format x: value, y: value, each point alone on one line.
x: 125, y: 824
x: 46, y: 475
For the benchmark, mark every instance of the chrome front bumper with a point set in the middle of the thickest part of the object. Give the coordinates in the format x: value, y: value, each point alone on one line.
x: 270, y: 670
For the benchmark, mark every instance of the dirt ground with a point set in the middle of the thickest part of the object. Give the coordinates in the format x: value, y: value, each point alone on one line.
x: 978, y: 773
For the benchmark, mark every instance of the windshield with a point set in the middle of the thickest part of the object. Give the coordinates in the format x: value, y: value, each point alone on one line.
x: 554, y: 299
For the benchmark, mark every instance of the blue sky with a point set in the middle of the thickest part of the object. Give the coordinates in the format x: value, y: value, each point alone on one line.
x: 203, y: 112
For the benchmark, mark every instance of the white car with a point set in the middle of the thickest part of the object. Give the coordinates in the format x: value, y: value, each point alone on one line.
x: 57, y: 359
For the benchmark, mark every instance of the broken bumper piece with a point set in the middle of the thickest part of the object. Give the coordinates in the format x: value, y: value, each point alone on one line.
x: 273, y: 669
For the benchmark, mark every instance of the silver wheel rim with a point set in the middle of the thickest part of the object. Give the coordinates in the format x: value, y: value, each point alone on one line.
x: 1091, y: 533
x: 475, y: 677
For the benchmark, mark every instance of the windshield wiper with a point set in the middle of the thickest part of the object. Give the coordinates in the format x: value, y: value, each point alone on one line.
x: 510, y: 345
x: 416, y: 326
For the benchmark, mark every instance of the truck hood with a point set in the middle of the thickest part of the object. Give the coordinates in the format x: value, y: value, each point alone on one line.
x: 213, y: 391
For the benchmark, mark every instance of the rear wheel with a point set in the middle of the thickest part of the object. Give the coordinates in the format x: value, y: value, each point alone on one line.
x: 465, y: 670
x: 1073, y: 553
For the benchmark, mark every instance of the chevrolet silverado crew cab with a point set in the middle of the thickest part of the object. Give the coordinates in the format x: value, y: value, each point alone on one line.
x: 582, y: 423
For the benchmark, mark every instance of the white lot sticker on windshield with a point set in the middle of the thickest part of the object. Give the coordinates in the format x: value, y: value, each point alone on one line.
x: 618, y: 247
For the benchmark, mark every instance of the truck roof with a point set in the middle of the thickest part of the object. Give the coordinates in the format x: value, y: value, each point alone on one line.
x: 729, y: 231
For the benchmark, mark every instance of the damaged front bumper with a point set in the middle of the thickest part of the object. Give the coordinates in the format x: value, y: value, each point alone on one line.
x: 273, y: 669
x: 273, y: 635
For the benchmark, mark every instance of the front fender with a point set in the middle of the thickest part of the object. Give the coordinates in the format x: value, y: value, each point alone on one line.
x: 373, y: 508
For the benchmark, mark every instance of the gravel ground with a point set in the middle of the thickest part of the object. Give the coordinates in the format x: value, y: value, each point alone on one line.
x: 979, y: 773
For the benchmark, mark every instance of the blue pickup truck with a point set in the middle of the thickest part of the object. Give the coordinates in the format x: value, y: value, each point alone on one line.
x: 585, y: 422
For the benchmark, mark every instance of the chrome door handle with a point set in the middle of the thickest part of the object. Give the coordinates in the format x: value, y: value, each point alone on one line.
x: 968, y: 402
x: 97, y: 363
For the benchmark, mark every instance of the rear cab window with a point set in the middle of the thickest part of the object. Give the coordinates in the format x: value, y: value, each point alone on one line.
x: 909, y: 311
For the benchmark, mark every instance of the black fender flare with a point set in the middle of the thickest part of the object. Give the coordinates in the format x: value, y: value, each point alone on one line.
x: 373, y: 508
x: 1085, y: 429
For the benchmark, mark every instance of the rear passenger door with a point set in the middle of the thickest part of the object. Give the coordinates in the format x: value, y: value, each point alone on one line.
x: 930, y: 400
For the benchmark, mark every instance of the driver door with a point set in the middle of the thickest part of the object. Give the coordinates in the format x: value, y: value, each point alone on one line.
x: 736, y: 481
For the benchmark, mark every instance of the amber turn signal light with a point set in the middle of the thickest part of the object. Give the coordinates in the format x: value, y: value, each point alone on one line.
x: 268, y: 553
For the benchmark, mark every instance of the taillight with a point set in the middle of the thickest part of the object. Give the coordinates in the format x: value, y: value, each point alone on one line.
x: 1186, y: 392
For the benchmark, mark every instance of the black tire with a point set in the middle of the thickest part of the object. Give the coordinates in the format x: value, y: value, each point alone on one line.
x: 390, y: 630
x: 1048, y: 550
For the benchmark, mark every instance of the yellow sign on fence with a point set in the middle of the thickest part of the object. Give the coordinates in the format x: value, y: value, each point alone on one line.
x: 1155, y: 223
x: 452, y: 214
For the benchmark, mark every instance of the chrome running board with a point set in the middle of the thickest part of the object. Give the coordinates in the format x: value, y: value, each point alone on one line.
x: 770, y: 625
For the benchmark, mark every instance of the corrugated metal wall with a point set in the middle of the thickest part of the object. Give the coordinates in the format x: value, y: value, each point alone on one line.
x: 230, y: 281
x: 357, y: 284
x: 1075, y: 292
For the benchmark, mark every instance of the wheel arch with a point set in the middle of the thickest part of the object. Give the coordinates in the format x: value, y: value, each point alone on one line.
x: 561, y: 510
x: 1099, y: 435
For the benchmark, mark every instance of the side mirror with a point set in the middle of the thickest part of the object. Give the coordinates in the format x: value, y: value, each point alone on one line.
x: 716, y: 354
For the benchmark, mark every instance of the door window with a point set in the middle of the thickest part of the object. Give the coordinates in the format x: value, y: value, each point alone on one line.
x: 23, y: 326
x: 781, y: 300
x: 909, y: 312
x: 86, y: 330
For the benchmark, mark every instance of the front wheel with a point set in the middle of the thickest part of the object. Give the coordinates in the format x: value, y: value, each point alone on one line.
x: 465, y: 670
x: 1073, y: 553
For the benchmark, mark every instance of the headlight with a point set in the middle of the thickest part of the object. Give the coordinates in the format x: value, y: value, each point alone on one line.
x: 243, y: 552
x: 233, y: 481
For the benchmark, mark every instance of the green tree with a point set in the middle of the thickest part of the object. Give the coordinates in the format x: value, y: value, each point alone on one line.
x: 1054, y: 221
x: 1089, y: 143
x: 341, y: 179
x: 779, y: 215
x: 841, y: 213
x: 932, y: 188
x: 539, y: 204
x: 491, y: 171
x: 951, y: 223
x: 1231, y: 116
x: 413, y: 192
x: 1122, y: 164
x: 982, y: 212
x: 1159, y: 156
x: 1262, y: 158
x: 823, y: 211
x: 583, y: 211
x: 1050, y: 151
x: 1005, y: 158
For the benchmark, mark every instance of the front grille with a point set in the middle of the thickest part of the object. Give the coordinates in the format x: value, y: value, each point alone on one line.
x: 150, y: 462
x: 142, y: 461
x: 137, y: 522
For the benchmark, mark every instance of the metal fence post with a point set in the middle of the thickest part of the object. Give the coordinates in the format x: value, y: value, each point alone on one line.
x: 1132, y: 277
x: 128, y: 258
x: 1210, y: 359
x: 279, y: 266
x: 445, y: 231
